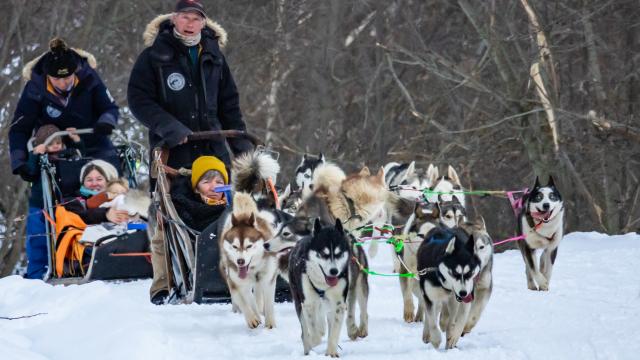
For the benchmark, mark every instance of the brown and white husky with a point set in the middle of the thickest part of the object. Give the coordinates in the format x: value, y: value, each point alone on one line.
x: 250, y: 271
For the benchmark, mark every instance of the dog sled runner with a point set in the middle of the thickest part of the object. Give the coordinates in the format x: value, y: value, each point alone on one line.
x: 192, y: 257
x: 121, y: 256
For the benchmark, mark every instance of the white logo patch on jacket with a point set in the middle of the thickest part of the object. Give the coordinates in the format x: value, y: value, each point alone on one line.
x: 175, y: 81
x: 53, y: 112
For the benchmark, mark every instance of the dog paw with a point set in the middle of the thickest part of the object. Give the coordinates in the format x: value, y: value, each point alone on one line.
x: 269, y: 324
x: 452, y: 342
x: 544, y: 287
x: 434, y: 339
x: 253, y: 322
x: 408, y: 314
x: 532, y: 287
x: 333, y: 354
x: 352, y: 331
x: 235, y: 309
x: 363, y: 332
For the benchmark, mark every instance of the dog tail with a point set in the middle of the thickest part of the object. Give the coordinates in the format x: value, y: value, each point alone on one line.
x: 250, y: 169
x: 328, y: 176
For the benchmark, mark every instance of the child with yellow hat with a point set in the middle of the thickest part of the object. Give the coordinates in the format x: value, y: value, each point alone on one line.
x: 196, y: 199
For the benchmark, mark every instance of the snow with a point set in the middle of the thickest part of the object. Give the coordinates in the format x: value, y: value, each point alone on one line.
x: 591, y: 312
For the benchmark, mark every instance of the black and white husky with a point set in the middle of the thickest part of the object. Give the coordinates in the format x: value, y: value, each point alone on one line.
x: 320, y: 278
x: 542, y: 224
x: 304, y: 171
x: 447, y: 266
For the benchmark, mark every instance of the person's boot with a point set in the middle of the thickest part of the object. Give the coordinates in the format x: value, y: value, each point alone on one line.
x: 160, y: 297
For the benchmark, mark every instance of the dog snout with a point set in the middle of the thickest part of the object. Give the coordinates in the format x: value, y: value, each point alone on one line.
x: 545, y: 206
x: 240, y: 262
x: 267, y: 246
x: 333, y: 272
x: 463, y: 293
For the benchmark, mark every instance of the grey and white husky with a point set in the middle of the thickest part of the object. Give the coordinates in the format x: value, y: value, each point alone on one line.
x: 322, y: 282
x: 542, y: 224
x: 447, y: 266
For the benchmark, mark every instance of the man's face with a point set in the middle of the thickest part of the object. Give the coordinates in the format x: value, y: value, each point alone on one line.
x: 189, y: 23
x: 62, y: 84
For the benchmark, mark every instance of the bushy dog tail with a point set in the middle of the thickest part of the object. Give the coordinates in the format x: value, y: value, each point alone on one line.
x: 328, y: 176
x: 250, y: 169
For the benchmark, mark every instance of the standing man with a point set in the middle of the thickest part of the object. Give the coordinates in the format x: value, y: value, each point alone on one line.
x: 180, y: 84
x: 64, y: 90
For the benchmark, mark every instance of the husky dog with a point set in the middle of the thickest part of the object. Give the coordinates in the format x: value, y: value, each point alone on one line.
x: 542, y: 224
x: 444, y: 184
x: 290, y: 200
x: 447, y: 267
x: 404, y: 180
x: 245, y: 265
x: 251, y: 173
x: 426, y: 216
x: 304, y: 171
x: 357, y: 199
x: 321, y: 283
x: 483, y: 248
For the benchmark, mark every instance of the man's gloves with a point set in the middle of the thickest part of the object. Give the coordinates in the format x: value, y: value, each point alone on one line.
x: 102, y: 129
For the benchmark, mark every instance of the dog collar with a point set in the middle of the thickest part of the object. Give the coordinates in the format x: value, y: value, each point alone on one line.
x: 318, y: 291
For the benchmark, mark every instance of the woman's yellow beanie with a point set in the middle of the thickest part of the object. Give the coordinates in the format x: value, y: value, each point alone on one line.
x: 204, y: 164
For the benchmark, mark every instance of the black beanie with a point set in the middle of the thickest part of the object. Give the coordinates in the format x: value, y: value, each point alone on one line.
x: 60, y: 61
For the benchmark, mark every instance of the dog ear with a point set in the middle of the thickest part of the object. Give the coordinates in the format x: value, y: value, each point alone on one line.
x: 317, y: 226
x: 481, y: 224
x: 440, y: 200
x: 321, y: 158
x: 411, y: 169
x: 252, y: 219
x: 471, y: 244
x: 454, y: 200
x: 537, y: 183
x: 380, y: 176
x: 339, y: 225
x: 551, y: 183
x: 453, y: 175
x: 234, y: 220
x: 451, y: 246
x: 432, y: 175
x: 364, y: 172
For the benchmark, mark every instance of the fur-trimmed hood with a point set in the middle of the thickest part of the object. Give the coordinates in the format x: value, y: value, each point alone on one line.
x: 34, y: 64
x: 153, y: 28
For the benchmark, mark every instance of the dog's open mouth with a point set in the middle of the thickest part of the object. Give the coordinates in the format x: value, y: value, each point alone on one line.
x: 285, y: 251
x: 467, y: 299
x: 243, y: 271
x: 542, y: 215
x: 331, y: 280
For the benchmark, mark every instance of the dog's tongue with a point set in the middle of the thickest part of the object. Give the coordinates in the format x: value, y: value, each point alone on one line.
x: 331, y: 280
x: 467, y: 299
x: 543, y: 215
x: 243, y: 271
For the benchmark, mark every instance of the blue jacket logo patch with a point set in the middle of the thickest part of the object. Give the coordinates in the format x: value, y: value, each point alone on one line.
x: 175, y: 81
x: 53, y: 112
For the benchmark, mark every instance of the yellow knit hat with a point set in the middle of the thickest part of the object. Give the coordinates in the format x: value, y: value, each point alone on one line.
x: 204, y: 164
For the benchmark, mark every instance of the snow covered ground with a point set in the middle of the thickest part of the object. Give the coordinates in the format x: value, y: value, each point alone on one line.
x: 591, y: 312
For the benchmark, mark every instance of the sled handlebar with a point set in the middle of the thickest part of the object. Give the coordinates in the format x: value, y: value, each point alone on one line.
x: 48, y: 140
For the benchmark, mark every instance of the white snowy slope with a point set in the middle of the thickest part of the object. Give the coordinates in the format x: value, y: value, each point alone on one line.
x: 591, y: 312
